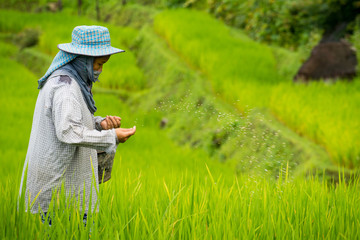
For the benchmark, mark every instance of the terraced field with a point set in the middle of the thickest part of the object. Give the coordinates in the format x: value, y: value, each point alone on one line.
x: 247, y: 73
x: 161, y: 189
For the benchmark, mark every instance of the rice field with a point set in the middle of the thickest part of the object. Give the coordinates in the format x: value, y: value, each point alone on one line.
x: 326, y: 114
x: 158, y: 190
x: 126, y: 75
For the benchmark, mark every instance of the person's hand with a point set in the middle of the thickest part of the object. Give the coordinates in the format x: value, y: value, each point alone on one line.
x: 123, y: 134
x: 111, y: 122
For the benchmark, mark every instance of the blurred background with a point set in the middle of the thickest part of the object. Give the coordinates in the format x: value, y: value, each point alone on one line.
x: 257, y: 84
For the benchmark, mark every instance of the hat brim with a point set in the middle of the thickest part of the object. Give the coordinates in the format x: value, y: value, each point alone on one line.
x: 94, y: 52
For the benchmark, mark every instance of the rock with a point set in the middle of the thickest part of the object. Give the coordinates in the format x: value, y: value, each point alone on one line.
x: 329, y: 60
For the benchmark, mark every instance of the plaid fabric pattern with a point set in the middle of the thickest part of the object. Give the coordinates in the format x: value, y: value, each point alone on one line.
x: 64, y: 139
x: 90, y: 41
x: 86, y: 40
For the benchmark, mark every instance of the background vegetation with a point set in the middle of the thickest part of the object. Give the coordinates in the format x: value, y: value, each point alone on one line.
x: 250, y: 78
x: 226, y: 147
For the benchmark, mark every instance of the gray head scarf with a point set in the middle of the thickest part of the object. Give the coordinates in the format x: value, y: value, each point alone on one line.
x: 81, y: 69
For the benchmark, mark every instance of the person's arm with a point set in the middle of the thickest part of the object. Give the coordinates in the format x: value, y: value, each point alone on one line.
x: 97, y: 121
x: 69, y: 126
x: 110, y: 122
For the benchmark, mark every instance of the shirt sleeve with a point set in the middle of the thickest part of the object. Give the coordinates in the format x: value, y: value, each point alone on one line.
x: 97, y: 121
x: 70, y: 129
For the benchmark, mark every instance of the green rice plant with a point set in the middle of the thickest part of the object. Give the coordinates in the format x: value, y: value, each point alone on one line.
x: 7, y: 50
x: 232, y: 62
x: 247, y: 74
x: 122, y: 71
x: 195, y: 118
x: 327, y: 113
x: 34, y: 60
x: 160, y: 190
x: 17, y: 93
x: 152, y: 203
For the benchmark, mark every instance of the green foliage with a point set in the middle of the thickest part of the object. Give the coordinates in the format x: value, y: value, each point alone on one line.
x: 288, y: 23
x: 326, y: 113
x: 245, y: 74
x: 132, y: 15
x: 27, y: 38
x: 208, y: 43
x: 18, y: 91
x: 29, y: 56
x: 250, y: 142
x: 7, y: 50
x: 159, y: 190
x: 240, y: 84
x: 120, y: 72
x: 355, y: 40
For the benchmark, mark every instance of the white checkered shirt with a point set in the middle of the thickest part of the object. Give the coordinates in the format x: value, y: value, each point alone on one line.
x: 64, y: 138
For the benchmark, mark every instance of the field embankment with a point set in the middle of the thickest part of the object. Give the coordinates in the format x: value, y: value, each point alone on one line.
x: 246, y: 73
x: 253, y: 141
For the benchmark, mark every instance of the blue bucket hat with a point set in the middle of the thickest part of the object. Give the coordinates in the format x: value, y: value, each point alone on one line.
x: 86, y: 40
x: 90, y: 41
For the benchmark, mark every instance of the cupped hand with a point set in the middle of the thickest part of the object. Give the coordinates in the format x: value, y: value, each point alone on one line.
x: 111, y: 122
x: 123, y: 134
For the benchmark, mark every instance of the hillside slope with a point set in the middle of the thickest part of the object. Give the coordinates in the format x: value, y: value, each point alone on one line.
x: 245, y: 73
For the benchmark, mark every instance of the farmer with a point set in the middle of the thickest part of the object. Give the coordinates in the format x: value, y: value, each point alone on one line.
x: 65, y: 135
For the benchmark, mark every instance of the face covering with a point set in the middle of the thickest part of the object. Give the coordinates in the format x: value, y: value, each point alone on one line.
x: 81, y: 69
x: 96, y: 75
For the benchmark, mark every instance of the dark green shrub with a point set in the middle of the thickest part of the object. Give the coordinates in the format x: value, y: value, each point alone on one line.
x: 27, y: 38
